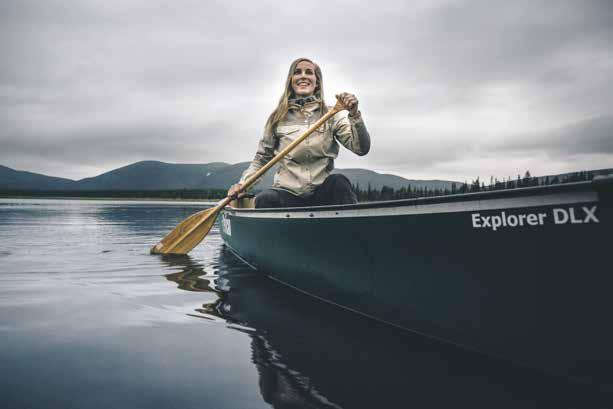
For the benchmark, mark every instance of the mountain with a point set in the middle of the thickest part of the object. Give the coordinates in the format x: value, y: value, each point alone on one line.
x: 11, y: 179
x: 231, y: 174
x: 226, y: 177
x: 376, y: 180
x: 153, y: 175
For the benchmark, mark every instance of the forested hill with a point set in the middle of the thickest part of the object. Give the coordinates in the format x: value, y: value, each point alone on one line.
x: 153, y: 175
x: 11, y: 179
x: 363, y: 178
x: 213, y: 180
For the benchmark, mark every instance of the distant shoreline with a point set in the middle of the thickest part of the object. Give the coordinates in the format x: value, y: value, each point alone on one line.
x: 109, y: 198
x: 208, y: 196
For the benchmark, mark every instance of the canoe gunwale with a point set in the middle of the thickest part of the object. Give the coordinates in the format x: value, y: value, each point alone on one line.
x: 577, y: 192
x: 596, y: 184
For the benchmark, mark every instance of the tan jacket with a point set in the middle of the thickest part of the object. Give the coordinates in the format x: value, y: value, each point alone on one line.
x: 309, y: 163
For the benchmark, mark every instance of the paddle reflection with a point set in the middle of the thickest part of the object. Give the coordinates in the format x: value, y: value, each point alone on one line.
x: 192, y: 276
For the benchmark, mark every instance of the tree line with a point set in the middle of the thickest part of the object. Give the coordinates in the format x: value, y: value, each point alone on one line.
x: 410, y: 192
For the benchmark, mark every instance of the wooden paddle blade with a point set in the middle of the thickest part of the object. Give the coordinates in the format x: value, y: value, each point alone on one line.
x: 188, y: 233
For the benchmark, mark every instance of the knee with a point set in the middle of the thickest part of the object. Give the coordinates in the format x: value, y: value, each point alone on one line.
x: 338, y: 190
x: 339, y: 181
x: 267, y: 199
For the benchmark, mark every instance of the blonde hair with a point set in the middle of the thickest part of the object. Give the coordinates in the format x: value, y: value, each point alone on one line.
x: 281, y: 111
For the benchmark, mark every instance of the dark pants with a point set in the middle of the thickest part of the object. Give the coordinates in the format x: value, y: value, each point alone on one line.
x: 336, y: 189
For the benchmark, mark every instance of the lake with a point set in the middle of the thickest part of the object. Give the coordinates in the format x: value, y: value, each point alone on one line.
x: 89, y: 319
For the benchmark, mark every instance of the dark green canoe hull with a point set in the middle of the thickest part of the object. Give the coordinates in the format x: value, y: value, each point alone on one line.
x: 523, y: 274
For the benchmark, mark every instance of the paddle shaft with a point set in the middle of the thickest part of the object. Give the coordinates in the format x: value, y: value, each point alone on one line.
x: 253, y: 178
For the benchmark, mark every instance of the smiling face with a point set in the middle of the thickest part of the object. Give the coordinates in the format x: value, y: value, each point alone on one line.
x: 304, y: 80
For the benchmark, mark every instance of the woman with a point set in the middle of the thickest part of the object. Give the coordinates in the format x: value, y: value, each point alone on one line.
x: 304, y: 178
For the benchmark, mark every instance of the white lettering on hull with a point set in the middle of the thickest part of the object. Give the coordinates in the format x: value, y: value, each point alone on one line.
x: 571, y: 215
x: 226, y: 225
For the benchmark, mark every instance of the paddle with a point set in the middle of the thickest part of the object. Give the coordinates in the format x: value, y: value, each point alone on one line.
x: 194, y: 229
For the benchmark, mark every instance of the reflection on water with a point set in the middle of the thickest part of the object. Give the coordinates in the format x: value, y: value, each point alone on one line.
x: 88, y: 319
x: 311, y: 355
x: 281, y: 386
x: 190, y: 278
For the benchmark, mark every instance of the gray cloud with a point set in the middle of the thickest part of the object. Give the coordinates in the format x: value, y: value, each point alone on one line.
x: 591, y: 136
x: 446, y: 87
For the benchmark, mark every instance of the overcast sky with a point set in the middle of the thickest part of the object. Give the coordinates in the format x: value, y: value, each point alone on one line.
x: 448, y: 89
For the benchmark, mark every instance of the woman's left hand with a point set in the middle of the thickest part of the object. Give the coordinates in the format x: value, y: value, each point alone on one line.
x: 350, y: 102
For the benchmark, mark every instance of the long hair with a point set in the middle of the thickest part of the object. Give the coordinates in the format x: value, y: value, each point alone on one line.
x: 279, y: 113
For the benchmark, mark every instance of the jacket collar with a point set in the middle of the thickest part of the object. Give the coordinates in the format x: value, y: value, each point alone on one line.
x: 311, y: 102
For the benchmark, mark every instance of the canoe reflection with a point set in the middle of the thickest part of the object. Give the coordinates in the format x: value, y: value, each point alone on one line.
x: 280, y: 385
x: 311, y: 355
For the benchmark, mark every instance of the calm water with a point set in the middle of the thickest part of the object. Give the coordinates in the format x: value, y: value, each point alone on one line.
x: 88, y: 319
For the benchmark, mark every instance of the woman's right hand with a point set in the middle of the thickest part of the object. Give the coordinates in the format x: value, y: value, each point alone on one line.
x: 234, y: 191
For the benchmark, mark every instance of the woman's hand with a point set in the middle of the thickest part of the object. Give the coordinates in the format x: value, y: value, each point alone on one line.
x: 350, y: 102
x: 234, y: 190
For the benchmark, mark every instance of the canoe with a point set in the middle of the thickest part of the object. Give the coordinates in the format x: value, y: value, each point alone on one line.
x: 523, y: 274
